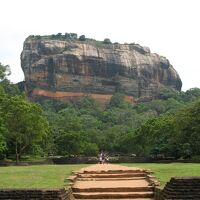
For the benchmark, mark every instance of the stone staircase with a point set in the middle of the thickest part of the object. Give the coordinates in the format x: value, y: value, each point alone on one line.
x: 113, y: 182
x: 182, y: 188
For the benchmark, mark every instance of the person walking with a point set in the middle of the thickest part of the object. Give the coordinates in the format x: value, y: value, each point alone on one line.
x: 102, y: 157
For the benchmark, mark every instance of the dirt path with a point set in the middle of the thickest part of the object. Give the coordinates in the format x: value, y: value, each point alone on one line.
x: 108, y: 181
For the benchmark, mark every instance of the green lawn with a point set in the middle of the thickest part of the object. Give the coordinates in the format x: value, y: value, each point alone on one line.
x: 53, y: 176
x: 38, y: 176
x: 164, y: 172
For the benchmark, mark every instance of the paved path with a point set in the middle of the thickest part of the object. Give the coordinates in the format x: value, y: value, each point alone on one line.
x: 108, y: 181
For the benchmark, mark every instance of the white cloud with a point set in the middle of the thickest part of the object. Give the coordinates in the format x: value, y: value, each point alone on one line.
x: 168, y: 27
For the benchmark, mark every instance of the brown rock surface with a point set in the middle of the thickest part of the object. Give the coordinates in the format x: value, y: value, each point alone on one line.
x: 91, y: 67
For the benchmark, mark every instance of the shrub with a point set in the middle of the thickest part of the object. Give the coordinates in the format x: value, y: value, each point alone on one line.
x: 107, y: 41
x: 73, y: 36
x: 82, y: 38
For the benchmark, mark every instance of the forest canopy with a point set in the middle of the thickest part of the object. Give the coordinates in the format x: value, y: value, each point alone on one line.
x: 167, y: 126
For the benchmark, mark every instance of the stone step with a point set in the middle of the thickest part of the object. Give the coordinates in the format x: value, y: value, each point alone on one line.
x: 184, y: 185
x: 182, y: 190
x: 124, y: 199
x: 186, y: 182
x: 188, y: 196
x: 110, y: 179
x: 111, y: 184
x: 182, y: 193
x: 185, y: 178
x: 71, y: 178
x: 114, y: 172
x: 113, y: 195
x: 111, y: 175
x: 113, y: 189
x: 183, y: 197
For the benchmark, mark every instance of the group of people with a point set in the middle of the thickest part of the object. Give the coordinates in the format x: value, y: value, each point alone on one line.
x: 103, y: 157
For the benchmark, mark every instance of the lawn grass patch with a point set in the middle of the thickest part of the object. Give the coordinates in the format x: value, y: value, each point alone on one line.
x: 54, y: 176
x: 37, y: 176
x: 164, y: 172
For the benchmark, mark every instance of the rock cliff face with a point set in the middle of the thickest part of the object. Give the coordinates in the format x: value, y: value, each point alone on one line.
x: 71, y: 68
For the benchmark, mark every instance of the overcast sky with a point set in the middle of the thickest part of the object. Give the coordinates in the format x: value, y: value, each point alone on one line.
x: 168, y: 27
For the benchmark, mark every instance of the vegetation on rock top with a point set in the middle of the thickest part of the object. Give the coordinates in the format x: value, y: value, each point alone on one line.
x: 73, y: 37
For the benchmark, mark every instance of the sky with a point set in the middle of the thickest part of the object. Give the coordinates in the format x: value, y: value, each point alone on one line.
x: 170, y: 28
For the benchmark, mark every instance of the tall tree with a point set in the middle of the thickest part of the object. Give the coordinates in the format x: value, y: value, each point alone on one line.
x: 3, y: 131
x: 4, y: 71
x: 69, y: 143
x: 25, y: 123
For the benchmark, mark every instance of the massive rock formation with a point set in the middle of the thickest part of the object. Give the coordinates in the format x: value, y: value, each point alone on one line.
x: 69, y: 68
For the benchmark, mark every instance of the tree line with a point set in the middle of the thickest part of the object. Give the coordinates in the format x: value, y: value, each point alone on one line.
x: 167, y: 126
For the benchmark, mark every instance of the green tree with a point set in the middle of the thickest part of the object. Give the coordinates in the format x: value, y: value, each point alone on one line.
x: 4, y: 71
x: 69, y: 143
x: 3, y: 131
x: 25, y: 123
x: 82, y: 38
x: 188, y: 128
x: 10, y: 88
x: 167, y: 93
x: 117, y: 100
x: 107, y: 41
x: 67, y: 36
x: 69, y: 120
x: 6, y: 86
x: 59, y: 35
x: 191, y: 94
x: 89, y: 149
x: 157, y: 134
x: 3, y: 146
x: 38, y: 37
x: 73, y: 36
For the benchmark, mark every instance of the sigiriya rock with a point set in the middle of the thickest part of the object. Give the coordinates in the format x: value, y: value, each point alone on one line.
x: 70, y: 68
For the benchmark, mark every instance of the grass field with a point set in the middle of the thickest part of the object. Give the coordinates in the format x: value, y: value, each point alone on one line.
x: 53, y: 176
x: 164, y: 172
x: 37, y: 176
